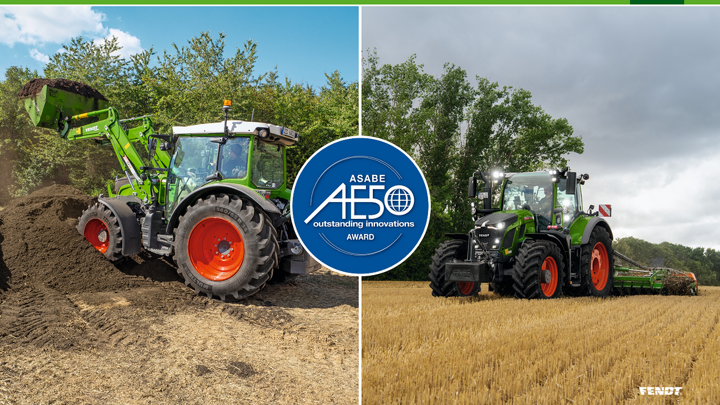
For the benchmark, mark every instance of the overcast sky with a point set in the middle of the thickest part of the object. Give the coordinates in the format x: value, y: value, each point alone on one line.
x: 641, y: 85
x: 303, y: 43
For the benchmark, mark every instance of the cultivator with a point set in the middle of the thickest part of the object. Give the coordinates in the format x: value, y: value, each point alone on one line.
x: 651, y: 280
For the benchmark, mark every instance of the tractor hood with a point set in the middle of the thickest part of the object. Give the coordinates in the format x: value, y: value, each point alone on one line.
x: 496, y: 219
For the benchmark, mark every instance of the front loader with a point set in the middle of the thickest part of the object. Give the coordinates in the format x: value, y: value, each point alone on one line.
x: 537, y: 243
x: 219, y: 204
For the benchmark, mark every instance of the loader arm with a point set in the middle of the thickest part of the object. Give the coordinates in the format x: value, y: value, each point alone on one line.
x: 109, y: 129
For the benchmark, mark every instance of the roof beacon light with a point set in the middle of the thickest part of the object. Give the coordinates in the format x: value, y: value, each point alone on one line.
x: 227, y: 103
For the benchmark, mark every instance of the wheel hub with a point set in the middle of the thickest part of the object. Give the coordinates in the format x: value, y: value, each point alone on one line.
x: 216, y: 249
x: 96, y: 232
x: 599, y: 270
x: 549, y: 277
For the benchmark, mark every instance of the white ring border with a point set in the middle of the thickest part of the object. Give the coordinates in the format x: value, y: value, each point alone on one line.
x: 427, y: 220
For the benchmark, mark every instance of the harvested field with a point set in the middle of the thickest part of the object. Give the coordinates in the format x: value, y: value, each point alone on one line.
x: 75, y: 328
x: 489, y: 350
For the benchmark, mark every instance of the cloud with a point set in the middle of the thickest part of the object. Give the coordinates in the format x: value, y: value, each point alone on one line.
x: 39, y: 56
x: 55, y: 24
x: 639, y: 85
x: 130, y: 44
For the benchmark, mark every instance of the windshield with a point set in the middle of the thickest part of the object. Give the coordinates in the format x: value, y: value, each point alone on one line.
x: 569, y: 202
x: 268, y: 170
x: 531, y: 191
x: 234, y: 158
x: 193, y: 160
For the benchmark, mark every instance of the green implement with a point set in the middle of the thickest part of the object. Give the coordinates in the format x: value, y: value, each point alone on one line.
x: 652, y: 280
x: 49, y: 102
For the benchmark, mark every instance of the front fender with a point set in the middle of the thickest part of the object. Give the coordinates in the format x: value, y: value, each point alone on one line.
x: 239, y: 190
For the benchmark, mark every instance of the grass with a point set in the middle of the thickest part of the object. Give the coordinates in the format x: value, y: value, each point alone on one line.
x: 487, y: 349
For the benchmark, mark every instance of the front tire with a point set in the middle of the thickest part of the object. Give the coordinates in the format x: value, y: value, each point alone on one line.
x: 447, y: 252
x: 101, y: 228
x: 539, y: 270
x: 225, y: 247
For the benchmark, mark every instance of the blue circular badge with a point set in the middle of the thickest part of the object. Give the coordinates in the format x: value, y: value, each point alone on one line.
x: 360, y: 205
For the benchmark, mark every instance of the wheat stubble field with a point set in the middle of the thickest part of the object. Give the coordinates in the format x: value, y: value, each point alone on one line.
x: 489, y: 350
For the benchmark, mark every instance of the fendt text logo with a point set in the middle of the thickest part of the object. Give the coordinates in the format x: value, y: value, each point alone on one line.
x: 660, y: 390
x: 360, y: 205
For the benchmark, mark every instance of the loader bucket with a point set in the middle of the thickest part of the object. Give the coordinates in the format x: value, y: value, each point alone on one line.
x: 54, y: 101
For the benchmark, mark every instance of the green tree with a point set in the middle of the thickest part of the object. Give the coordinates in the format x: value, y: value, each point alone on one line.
x: 184, y: 87
x: 425, y: 116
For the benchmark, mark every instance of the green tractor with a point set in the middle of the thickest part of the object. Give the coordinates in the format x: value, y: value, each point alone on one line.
x: 219, y: 204
x: 539, y: 243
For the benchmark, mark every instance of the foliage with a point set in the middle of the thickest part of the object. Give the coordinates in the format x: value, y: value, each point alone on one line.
x: 184, y: 86
x: 452, y: 130
x: 705, y: 263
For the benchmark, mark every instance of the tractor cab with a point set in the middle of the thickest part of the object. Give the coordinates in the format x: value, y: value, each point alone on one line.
x: 251, y: 154
x: 543, y: 195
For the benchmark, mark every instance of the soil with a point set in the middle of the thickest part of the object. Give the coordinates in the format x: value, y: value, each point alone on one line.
x: 76, y: 328
x: 35, y: 86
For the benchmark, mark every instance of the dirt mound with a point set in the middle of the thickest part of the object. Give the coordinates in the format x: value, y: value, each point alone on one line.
x: 41, y: 247
x: 35, y: 86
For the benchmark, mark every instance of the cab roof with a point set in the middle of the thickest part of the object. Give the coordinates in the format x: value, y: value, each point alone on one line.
x: 277, y: 134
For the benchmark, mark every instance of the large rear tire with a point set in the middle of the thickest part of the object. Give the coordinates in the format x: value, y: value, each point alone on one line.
x: 225, y: 247
x: 101, y: 228
x: 539, y: 270
x: 446, y: 252
x: 597, y: 267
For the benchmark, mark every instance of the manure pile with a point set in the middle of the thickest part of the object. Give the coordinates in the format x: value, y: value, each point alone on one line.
x: 35, y: 86
x: 41, y: 247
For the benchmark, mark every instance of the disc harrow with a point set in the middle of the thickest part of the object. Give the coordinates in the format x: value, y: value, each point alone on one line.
x: 641, y: 279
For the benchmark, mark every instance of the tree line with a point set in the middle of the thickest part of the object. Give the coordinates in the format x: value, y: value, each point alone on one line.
x: 452, y: 129
x: 183, y: 86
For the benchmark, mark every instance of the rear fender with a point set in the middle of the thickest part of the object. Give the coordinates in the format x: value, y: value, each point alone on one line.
x: 239, y: 190
x: 595, y: 221
x: 129, y: 225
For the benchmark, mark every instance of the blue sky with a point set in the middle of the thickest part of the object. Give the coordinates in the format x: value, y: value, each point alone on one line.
x: 303, y: 42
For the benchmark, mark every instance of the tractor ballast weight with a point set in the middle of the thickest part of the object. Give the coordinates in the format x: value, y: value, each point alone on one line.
x: 219, y: 205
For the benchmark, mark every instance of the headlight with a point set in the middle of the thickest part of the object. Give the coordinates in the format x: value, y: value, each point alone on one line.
x: 497, y: 226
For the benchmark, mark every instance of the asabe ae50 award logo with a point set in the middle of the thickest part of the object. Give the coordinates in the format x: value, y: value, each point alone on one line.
x: 360, y: 205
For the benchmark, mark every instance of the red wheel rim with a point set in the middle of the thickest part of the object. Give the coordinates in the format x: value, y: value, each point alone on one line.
x: 548, y: 289
x: 599, y: 268
x: 216, y: 249
x: 96, y: 232
x: 466, y: 287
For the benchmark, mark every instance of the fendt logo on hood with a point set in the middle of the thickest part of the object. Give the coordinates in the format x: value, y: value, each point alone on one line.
x: 357, y: 213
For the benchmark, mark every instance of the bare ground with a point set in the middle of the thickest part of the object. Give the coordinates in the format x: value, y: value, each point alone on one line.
x: 82, y: 330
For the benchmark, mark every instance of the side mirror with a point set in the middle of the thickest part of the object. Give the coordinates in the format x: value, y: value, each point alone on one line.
x: 166, y: 146
x: 472, y: 187
x: 152, y: 145
x: 571, y: 184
